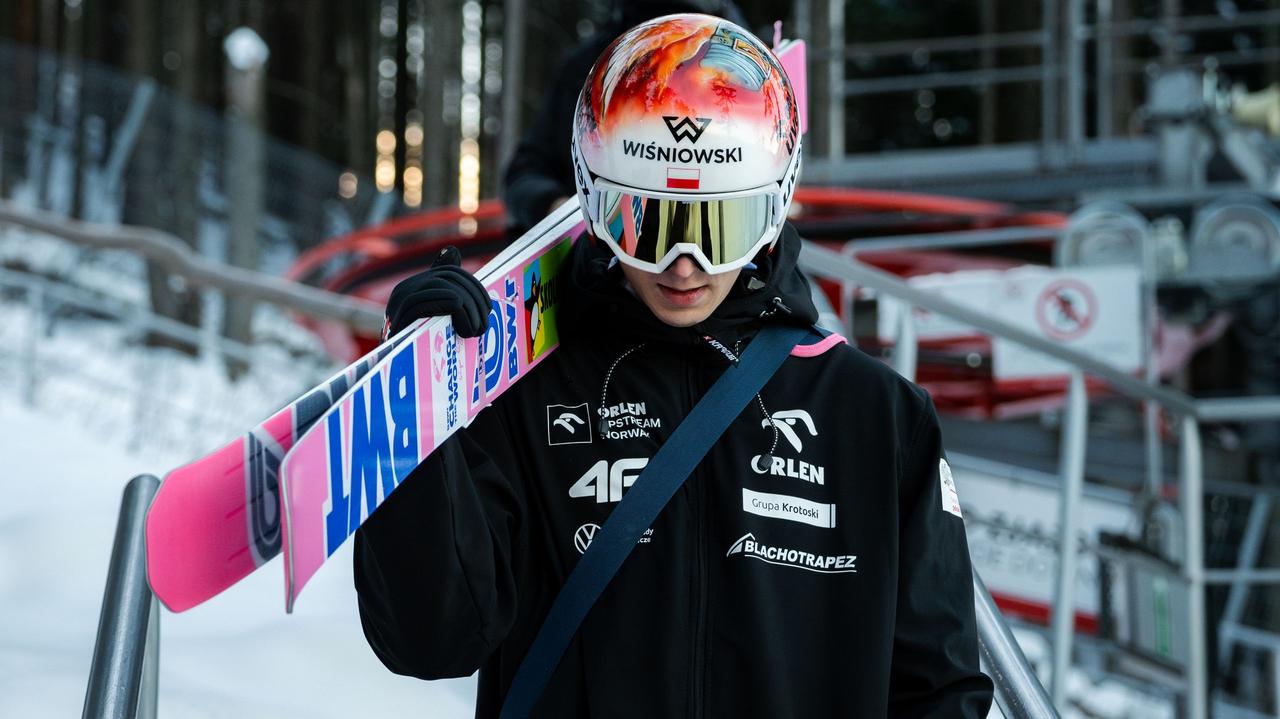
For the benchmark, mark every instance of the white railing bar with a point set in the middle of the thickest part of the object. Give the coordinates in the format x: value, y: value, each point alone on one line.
x: 941, y: 240
x: 1246, y: 561
x: 41, y: 289
x: 1018, y: 692
x: 168, y: 251
x: 828, y: 263
x: 116, y: 675
x: 1246, y: 576
x: 1075, y: 431
x: 1191, y: 466
x: 1241, y: 409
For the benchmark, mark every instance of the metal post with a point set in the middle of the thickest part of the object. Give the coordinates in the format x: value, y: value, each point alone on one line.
x: 512, y: 77
x: 803, y: 14
x: 1049, y: 82
x: 1192, y: 495
x: 1103, y: 49
x: 149, y: 687
x: 1151, y: 368
x: 1074, y: 429
x: 119, y: 657
x: 145, y: 381
x: 30, y: 354
x: 835, y: 80
x: 1018, y: 691
x: 126, y: 137
x: 905, y: 345
x: 1254, y: 531
x: 848, y: 296
x: 1169, y: 12
x: 1075, y: 78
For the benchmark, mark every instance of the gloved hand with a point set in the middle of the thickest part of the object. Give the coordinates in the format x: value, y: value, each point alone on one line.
x: 443, y: 289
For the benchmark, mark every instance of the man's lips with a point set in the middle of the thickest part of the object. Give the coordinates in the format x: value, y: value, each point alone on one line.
x: 683, y: 298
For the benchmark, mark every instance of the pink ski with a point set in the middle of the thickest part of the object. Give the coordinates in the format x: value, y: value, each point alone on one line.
x: 414, y: 399
x: 217, y: 519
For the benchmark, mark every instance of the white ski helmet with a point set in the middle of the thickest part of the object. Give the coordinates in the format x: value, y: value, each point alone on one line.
x: 686, y: 140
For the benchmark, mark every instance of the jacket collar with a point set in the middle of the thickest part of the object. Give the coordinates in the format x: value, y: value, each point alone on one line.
x: 596, y: 303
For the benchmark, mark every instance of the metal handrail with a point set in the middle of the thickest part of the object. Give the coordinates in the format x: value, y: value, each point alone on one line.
x: 821, y: 261
x: 1018, y: 691
x: 824, y: 262
x: 123, y: 677
x: 169, y: 252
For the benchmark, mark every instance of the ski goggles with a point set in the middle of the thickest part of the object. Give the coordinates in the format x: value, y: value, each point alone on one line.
x: 648, y: 230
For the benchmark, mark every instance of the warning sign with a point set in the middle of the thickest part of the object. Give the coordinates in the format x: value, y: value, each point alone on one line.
x: 1096, y: 311
x: 1092, y: 310
x: 1066, y: 309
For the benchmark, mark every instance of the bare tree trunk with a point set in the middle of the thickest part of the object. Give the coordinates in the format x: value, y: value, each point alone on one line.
x: 20, y: 24
x: 186, y: 142
x: 315, y: 63
x: 71, y: 77
x: 246, y: 76
x: 353, y: 53
x: 47, y: 93
x: 441, y: 95
x: 147, y: 193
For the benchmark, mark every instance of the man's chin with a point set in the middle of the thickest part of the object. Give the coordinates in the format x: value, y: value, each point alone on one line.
x: 682, y: 317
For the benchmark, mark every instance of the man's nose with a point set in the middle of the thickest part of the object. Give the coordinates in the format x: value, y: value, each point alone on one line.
x: 684, y: 267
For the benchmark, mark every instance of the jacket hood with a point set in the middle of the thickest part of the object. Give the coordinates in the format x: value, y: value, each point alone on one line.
x: 597, y: 301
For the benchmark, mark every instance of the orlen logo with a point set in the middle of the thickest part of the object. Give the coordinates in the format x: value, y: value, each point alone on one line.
x: 686, y: 127
x: 568, y: 424
x: 749, y: 546
x: 786, y: 420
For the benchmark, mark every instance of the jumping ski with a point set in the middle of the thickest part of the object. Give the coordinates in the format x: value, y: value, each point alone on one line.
x: 217, y: 519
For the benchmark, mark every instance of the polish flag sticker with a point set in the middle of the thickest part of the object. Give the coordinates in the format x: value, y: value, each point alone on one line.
x: 682, y: 178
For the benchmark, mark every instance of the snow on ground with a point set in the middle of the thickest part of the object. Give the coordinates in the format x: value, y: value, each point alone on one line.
x: 66, y: 457
x: 239, y: 655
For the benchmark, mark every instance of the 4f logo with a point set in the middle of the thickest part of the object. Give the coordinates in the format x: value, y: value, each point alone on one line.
x: 568, y: 425
x: 605, y: 482
x: 686, y: 127
x: 786, y: 422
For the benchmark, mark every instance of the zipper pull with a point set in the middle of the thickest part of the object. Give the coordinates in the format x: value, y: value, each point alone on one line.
x: 777, y: 302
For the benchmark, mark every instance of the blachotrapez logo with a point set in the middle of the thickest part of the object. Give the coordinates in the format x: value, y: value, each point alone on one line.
x: 749, y: 546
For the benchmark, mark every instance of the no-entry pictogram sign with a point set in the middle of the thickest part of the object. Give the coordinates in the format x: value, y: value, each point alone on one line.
x: 1066, y: 309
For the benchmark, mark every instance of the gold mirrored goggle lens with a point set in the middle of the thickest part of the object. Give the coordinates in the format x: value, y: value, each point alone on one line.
x: 646, y: 228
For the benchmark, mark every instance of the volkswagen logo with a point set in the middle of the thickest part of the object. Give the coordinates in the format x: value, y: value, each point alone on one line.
x: 582, y: 538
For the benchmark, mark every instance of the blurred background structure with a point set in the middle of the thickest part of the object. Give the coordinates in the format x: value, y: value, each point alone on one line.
x: 220, y: 193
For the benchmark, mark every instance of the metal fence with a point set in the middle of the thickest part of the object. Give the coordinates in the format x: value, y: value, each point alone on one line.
x: 87, y: 141
x: 124, y: 676
x: 1076, y: 68
x: 1192, y: 571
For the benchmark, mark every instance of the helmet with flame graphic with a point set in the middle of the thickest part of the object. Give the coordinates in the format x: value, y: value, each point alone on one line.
x: 686, y: 139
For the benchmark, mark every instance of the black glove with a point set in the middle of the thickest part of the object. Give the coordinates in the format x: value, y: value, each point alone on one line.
x: 443, y: 289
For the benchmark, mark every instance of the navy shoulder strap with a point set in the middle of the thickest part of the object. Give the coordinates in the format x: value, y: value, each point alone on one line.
x: 657, y: 483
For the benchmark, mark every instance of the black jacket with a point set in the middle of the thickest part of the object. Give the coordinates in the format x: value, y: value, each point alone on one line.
x: 828, y: 581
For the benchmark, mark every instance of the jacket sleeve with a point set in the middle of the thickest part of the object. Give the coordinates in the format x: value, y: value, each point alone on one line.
x: 935, y: 647
x: 433, y: 563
